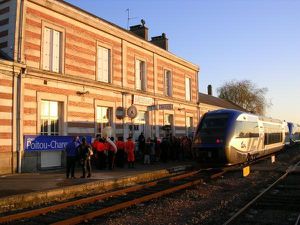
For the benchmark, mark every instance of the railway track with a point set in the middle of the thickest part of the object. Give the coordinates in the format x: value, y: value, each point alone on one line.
x: 85, y: 209
x: 278, y: 204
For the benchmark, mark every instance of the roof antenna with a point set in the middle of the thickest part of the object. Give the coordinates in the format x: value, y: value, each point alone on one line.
x: 129, y: 18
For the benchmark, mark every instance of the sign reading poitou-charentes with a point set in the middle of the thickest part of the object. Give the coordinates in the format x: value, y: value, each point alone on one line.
x: 120, y: 113
x: 48, y: 143
x: 132, y: 112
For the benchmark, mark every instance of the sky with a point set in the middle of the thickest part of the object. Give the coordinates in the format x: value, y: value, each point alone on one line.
x: 257, y: 40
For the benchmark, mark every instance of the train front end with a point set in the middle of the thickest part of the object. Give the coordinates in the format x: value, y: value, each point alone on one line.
x: 212, y: 136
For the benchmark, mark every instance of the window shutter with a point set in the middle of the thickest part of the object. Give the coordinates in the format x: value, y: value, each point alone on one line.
x: 187, y: 89
x: 46, y: 48
x: 168, y: 82
x: 105, y: 64
x: 143, y: 76
x: 56, y: 51
x: 99, y: 63
x: 138, y: 74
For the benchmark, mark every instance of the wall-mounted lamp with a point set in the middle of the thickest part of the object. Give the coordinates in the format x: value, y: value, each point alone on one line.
x: 180, y: 108
x: 82, y: 92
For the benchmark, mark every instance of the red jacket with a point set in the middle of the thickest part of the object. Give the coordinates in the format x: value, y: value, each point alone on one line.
x: 120, y: 145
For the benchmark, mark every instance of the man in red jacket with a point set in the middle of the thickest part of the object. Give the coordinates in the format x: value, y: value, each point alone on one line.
x: 129, y: 149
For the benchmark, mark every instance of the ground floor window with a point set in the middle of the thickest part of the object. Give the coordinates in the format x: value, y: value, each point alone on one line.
x: 168, y: 119
x: 50, y: 113
x: 103, y: 118
x: 189, y: 126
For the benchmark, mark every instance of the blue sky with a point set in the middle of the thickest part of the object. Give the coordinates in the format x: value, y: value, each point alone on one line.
x: 258, y: 40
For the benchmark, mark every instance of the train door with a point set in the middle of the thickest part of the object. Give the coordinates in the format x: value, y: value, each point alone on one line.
x: 261, y: 145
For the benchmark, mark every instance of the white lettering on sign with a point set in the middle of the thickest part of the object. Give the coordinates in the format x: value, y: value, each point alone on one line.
x: 165, y: 106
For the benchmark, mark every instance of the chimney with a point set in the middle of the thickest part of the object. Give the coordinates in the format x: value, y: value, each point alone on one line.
x: 160, y: 41
x: 209, y: 90
x: 140, y: 30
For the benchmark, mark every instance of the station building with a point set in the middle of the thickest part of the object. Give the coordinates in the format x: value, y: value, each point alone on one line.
x: 67, y: 72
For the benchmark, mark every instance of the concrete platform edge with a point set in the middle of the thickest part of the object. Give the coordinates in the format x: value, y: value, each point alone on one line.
x: 20, y: 201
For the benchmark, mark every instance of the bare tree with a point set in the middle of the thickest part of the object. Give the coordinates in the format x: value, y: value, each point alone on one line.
x: 246, y: 95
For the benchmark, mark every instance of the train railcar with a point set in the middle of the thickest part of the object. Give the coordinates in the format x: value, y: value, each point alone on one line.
x: 228, y: 137
x: 294, y: 133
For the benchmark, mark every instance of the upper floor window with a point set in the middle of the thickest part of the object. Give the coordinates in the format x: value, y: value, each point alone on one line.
x: 140, y: 75
x: 103, y: 118
x: 52, y: 50
x: 168, y: 83
x: 103, y: 64
x: 188, y: 93
x: 49, y: 118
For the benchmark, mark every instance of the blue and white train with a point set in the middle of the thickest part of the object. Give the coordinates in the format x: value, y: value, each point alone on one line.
x: 228, y: 137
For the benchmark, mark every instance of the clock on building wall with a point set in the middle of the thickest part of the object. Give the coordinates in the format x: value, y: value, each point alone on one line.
x: 120, y: 113
x: 132, y: 112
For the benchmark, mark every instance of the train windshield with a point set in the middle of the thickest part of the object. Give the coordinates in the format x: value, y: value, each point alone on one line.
x: 213, y: 124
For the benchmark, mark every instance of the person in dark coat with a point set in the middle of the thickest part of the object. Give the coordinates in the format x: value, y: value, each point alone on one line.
x: 165, y: 148
x: 72, y: 154
x: 85, y: 151
x: 142, y: 143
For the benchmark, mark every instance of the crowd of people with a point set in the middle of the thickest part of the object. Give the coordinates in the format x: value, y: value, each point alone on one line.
x: 106, y: 153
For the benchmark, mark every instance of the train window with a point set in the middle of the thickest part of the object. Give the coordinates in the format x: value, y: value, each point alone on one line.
x: 272, y: 138
x: 214, y: 122
x: 245, y: 129
x: 273, y: 133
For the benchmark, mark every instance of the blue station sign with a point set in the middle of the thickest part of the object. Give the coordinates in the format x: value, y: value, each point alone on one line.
x: 48, y: 143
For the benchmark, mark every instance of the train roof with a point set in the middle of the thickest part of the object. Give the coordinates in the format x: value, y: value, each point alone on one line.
x: 228, y: 111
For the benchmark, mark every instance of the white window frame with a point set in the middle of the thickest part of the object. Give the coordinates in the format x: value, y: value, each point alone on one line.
x: 188, y: 89
x: 103, y: 122
x: 140, y: 75
x: 52, y: 36
x: 48, y: 115
x: 141, y: 118
x: 103, y: 63
x: 168, y: 82
x: 167, y: 118
x: 189, y: 124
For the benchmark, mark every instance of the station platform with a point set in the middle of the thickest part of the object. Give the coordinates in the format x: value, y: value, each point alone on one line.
x: 29, y: 189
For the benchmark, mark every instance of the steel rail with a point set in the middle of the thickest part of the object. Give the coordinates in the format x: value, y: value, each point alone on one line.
x: 41, y: 211
x: 291, y: 168
x: 298, y: 220
x: 97, y: 213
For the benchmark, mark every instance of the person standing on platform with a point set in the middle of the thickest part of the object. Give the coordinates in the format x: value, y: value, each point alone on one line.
x: 101, y: 157
x: 129, y: 149
x: 72, y: 154
x: 85, y: 153
x: 141, y: 143
x: 112, y: 150
x: 120, y: 153
x: 147, y: 151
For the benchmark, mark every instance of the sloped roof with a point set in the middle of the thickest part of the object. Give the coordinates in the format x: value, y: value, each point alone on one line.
x: 211, y: 100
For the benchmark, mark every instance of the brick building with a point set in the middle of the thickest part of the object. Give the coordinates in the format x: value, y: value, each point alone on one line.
x: 67, y: 72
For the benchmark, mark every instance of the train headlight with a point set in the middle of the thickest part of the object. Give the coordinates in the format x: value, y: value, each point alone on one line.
x: 219, y: 141
x: 197, y: 140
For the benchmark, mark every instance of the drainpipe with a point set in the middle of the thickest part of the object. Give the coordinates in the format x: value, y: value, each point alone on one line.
x: 19, y: 90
